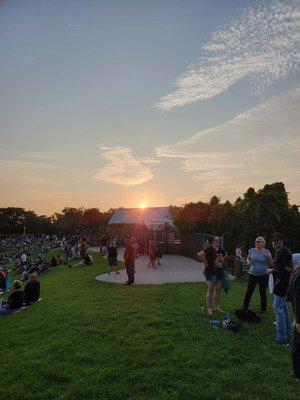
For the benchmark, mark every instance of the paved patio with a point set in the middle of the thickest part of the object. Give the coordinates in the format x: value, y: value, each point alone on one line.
x: 173, y: 269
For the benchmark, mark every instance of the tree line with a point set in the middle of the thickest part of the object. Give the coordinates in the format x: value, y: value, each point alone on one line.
x: 255, y: 213
x: 69, y: 221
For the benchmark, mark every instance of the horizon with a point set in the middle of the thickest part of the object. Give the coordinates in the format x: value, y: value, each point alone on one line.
x: 111, y: 104
x: 144, y: 206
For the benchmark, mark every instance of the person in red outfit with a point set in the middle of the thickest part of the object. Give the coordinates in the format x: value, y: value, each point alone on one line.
x: 129, y: 259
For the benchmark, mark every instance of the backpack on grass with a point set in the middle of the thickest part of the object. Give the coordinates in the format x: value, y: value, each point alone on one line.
x: 248, y: 316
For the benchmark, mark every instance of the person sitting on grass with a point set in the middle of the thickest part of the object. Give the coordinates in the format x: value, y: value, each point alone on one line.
x: 32, y: 289
x: 2, y: 281
x: 87, y: 260
x: 54, y: 262
x: 59, y: 261
x: 14, y: 301
x: 25, y: 276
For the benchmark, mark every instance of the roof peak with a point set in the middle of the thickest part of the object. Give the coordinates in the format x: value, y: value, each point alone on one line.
x: 141, y: 208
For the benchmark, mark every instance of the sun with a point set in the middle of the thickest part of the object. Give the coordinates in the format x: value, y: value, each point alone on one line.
x: 143, y: 205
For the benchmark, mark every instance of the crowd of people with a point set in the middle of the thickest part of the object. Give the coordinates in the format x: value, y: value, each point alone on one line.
x: 25, y: 255
x: 19, y: 298
x: 279, y: 271
x: 77, y: 248
x: 134, y: 248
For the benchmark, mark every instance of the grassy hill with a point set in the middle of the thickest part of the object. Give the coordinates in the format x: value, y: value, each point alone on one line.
x: 94, y: 340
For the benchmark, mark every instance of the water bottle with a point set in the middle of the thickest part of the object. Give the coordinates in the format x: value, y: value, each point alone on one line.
x: 227, y: 317
x: 216, y: 324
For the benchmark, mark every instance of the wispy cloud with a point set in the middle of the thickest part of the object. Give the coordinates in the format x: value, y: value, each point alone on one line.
x: 123, y: 168
x: 263, y: 45
x: 29, y: 59
x: 73, y: 26
x: 259, y: 145
x: 42, y: 155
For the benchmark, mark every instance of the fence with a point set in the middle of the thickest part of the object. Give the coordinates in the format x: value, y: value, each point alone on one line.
x: 192, y: 243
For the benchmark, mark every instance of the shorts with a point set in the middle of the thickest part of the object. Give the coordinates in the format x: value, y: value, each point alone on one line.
x: 213, y: 278
x: 112, y: 261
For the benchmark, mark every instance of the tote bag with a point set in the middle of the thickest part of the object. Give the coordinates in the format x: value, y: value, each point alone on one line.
x: 271, y: 283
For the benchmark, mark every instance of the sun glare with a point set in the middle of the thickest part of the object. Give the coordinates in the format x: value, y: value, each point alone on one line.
x: 142, y: 205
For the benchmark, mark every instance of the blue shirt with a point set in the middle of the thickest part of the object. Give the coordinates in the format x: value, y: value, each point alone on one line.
x: 259, y: 261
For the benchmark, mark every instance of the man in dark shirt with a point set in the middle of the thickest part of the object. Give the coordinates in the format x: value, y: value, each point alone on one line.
x: 294, y: 295
x: 32, y: 289
x: 14, y: 301
x: 112, y: 257
x: 283, y: 266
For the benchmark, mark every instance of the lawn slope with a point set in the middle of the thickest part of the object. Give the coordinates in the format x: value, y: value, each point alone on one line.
x: 93, y: 340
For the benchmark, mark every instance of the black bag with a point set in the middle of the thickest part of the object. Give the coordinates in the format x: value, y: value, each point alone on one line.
x: 247, y: 316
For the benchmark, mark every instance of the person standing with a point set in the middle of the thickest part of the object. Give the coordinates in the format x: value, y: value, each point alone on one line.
x: 213, y: 257
x: 260, y: 260
x: 23, y: 259
x: 129, y: 259
x: 294, y: 296
x: 239, y: 253
x: 158, y: 252
x: 103, y: 246
x: 282, y: 269
x: 152, y: 252
x: 112, y: 257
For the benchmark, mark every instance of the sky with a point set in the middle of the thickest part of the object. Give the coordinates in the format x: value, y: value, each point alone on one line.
x: 120, y: 103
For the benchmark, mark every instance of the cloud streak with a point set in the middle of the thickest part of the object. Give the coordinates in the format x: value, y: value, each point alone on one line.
x: 258, y: 145
x: 263, y: 45
x: 123, y: 168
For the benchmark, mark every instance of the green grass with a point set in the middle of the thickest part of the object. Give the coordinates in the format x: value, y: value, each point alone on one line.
x: 95, y: 340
